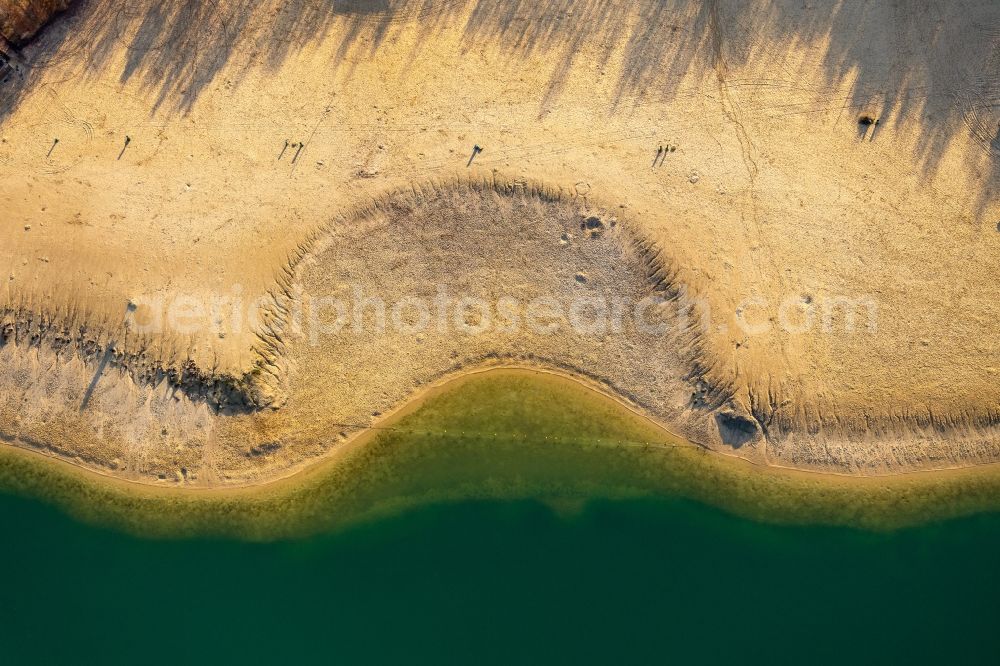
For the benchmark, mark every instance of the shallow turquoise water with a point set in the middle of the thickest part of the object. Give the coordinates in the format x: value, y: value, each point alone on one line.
x: 628, y: 581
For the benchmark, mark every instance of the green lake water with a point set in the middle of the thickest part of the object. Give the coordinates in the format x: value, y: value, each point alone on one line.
x: 510, y: 520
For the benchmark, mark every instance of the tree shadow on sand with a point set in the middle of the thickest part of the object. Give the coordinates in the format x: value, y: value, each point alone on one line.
x: 918, y: 62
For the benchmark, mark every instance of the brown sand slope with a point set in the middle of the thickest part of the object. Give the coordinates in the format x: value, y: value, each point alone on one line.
x: 20, y: 20
x: 847, y: 268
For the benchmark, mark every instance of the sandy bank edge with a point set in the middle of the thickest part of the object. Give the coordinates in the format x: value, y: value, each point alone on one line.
x: 310, y: 470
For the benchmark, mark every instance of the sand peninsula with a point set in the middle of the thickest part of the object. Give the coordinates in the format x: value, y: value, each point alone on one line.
x: 233, y: 236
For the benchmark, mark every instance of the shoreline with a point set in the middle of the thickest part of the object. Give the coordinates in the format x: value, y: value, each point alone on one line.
x: 302, y: 473
x: 492, y: 435
x: 171, y: 180
x: 633, y: 380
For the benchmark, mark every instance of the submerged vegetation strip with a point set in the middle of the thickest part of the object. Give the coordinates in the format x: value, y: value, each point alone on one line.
x: 503, y: 435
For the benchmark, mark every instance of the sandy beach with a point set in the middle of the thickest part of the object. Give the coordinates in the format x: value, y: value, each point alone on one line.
x: 488, y: 436
x: 235, y: 238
